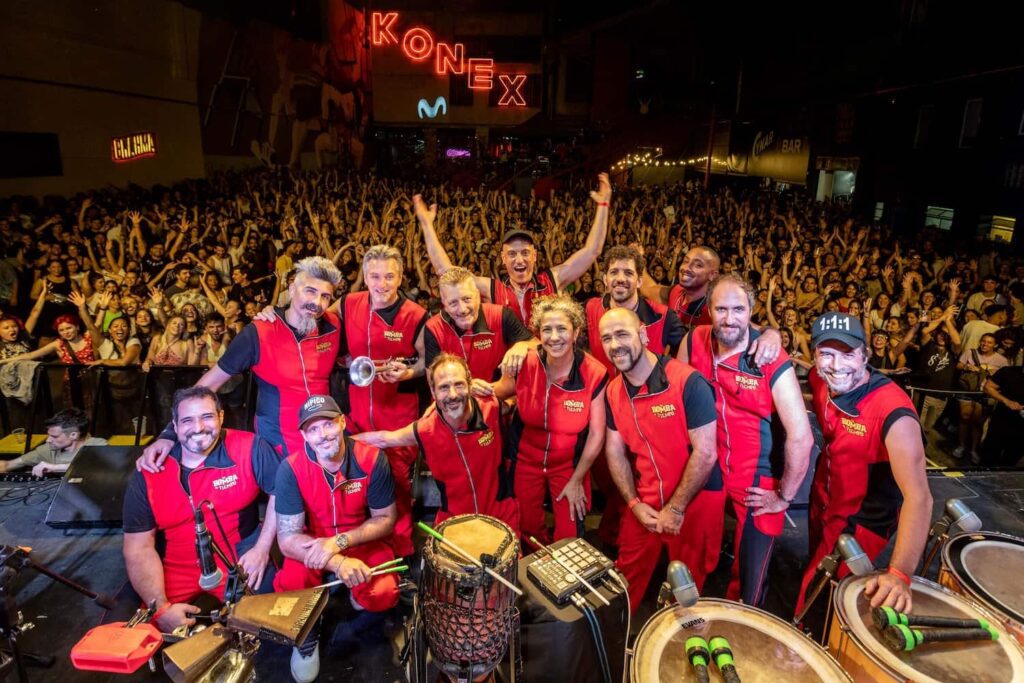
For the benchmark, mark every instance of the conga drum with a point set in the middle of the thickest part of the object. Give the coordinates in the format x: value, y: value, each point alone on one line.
x: 766, y: 649
x: 988, y: 567
x: 857, y: 643
x: 468, y: 617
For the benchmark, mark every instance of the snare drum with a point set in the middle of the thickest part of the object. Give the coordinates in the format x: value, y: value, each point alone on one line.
x: 766, y: 649
x: 989, y: 568
x: 856, y: 642
x: 468, y: 616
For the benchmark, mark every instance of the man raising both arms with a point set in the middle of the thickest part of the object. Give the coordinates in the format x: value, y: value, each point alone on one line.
x: 521, y: 283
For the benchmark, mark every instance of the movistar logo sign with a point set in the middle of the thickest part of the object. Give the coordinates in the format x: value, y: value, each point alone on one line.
x: 425, y: 109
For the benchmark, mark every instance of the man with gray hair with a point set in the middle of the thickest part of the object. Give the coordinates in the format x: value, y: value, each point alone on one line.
x: 291, y: 357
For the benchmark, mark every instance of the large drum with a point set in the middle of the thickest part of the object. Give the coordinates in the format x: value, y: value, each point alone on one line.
x: 766, y: 649
x: 857, y: 643
x: 469, y: 618
x: 988, y: 568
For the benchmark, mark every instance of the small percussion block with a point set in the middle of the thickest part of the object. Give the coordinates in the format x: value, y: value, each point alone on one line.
x: 116, y: 649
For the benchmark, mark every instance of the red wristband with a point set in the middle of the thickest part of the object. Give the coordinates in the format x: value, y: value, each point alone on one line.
x: 160, y: 612
x: 633, y: 503
x: 602, y: 203
x: 899, y: 575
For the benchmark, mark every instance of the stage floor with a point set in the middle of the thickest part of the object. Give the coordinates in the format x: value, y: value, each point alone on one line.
x: 362, y: 650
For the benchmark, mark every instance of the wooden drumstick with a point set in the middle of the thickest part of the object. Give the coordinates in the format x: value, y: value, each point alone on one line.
x: 474, y: 561
x: 571, y: 571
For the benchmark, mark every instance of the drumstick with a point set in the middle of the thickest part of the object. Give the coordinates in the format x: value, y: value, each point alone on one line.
x: 571, y: 571
x: 373, y: 573
x: 397, y: 560
x: 475, y: 562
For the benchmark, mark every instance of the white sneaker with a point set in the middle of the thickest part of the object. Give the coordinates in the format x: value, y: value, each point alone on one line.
x: 305, y: 669
x: 958, y: 452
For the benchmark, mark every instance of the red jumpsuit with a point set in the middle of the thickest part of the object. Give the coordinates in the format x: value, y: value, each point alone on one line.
x: 546, y: 439
x: 664, y: 331
x: 230, y: 479
x: 469, y: 465
x: 495, y: 330
x: 503, y: 294
x: 746, y: 451
x: 854, y: 490
x: 654, y: 421
x: 691, y: 313
x: 336, y: 503
x: 386, y: 333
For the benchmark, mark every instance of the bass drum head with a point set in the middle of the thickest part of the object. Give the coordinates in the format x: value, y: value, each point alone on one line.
x: 967, y: 662
x: 766, y: 649
x: 990, y: 567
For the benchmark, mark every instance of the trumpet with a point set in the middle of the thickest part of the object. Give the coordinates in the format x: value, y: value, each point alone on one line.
x: 363, y: 370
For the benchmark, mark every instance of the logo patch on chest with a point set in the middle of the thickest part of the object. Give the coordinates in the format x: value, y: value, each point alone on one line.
x: 572, y: 406
x: 663, y: 410
x: 486, y: 438
x: 483, y: 344
x: 749, y: 383
x: 393, y: 335
x: 323, y: 346
x: 225, y: 483
x: 853, y: 427
x: 352, y: 486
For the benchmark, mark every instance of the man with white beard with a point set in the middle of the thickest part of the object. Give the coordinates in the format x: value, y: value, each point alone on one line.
x: 870, y: 478
x: 291, y: 357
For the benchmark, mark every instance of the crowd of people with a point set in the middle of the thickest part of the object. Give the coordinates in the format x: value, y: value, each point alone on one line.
x: 167, y: 277
x: 669, y: 316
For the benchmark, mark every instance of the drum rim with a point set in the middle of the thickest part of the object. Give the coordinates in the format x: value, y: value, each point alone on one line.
x: 500, y: 568
x: 732, y: 604
x: 840, y: 613
x: 968, y: 584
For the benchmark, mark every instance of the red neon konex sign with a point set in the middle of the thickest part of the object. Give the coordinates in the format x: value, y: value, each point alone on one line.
x: 418, y: 45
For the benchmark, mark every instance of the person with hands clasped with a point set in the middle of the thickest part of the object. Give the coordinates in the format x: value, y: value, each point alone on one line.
x: 870, y: 478
x: 660, y: 445
x: 336, y: 515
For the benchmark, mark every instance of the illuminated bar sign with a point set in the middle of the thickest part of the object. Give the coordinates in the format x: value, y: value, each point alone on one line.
x: 419, y: 45
x: 132, y: 147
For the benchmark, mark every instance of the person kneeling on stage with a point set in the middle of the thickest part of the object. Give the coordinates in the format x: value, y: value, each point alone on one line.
x: 660, y: 444
x: 226, y: 467
x: 871, y: 474
x: 460, y: 436
x: 336, y: 514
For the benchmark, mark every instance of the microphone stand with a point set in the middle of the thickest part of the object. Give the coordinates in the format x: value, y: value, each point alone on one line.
x: 12, y: 623
x: 237, y: 584
x: 828, y: 566
x: 937, y: 537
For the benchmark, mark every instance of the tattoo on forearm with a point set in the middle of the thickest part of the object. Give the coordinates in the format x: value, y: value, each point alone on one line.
x: 288, y: 525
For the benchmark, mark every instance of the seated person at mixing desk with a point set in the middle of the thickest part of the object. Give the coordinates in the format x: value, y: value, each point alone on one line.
x: 66, y: 433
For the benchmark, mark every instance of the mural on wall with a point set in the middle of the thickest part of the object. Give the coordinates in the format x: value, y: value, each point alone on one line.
x: 265, y: 92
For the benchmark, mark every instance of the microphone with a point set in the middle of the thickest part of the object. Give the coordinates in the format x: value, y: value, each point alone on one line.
x: 698, y: 654
x: 722, y: 654
x: 887, y: 616
x: 854, y: 556
x: 684, y: 589
x: 963, y: 516
x: 900, y: 638
x: 210, y: 574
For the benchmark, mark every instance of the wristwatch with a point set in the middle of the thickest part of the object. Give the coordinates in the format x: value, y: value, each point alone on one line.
x: 342, y: 541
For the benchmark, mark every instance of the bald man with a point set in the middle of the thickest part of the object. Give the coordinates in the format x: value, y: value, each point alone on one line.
x: 688, y: 297
x: 661, y: 424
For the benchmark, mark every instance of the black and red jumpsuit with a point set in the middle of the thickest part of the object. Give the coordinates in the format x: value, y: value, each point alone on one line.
x: 854, y: 491
x: 503, y: 294
x: 549, y: 430
x: 495, y: 330
x: 384, y: 334
x: 334, y: 503
x: 748, y: 453
x: 654, y: 422
x: 468, y: 464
